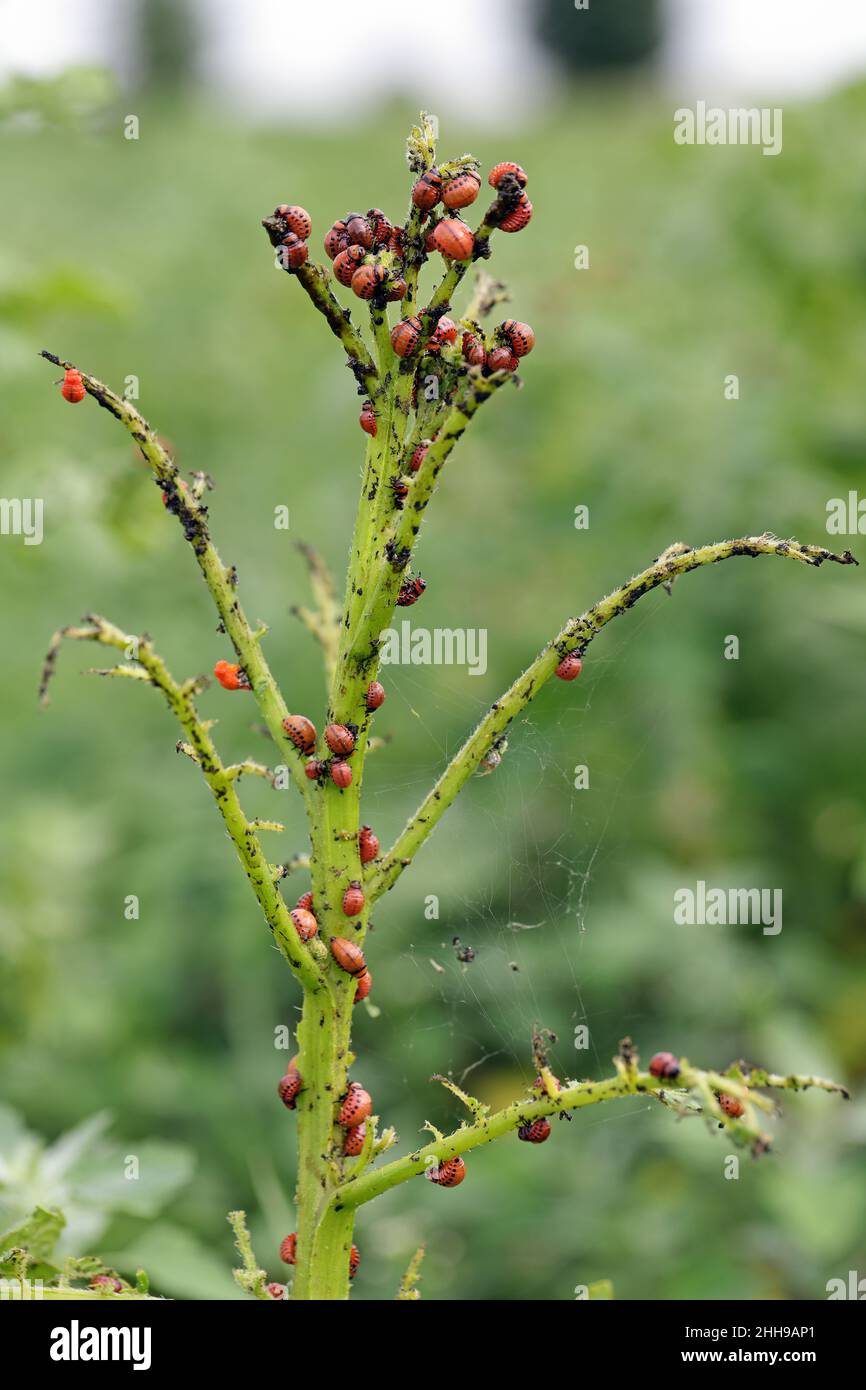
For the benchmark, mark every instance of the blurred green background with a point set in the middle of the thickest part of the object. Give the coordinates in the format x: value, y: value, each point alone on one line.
x: 146, y: 258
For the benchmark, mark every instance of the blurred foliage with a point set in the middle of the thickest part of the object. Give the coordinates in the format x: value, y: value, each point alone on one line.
x: 703, y: 262
x: 57, y: 1200
x: 166, y: 43
x: 73, y: 99
x: 599, y: 35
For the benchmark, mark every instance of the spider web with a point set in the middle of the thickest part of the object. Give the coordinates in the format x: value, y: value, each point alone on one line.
x: 558, y: 877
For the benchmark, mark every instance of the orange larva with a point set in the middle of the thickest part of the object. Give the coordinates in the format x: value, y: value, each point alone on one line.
x: 301, y: 731
x: 289, y: 1086
x: 520, y: 336
x: 428, y: 190
x: 368, y: 844
x: 405, y: 335
x: 473, y: 350
x: 336, y: 240
x: 289, y: 1249
x: 341, y: 775
x: 536, y: 1132
x: 292, y: 252
x: 73, y: 389
x: 450, y: 1173
x: 730, y: 1106
x: 367, y: 280
x: 382, y: 226
x: 454, y: 239
x: 305, y: 902
x: 297, y: 219
x: 506, y: 167
x: 375, y: 695
x: 357, y: 1106
x: 444, y: 332
x: 231, y: 676
x: 501, y: 359
x: 664, y: 1064
x: 347, y: 262
x: 353, y: 900
x: 460, y: 191
x: 367, y: 420
x: 570, y: 667
x: 353, y: 1142
x: 354, y: 1261
x: 358, y: 231
x: 340, y: 739
x: 515, y: 220
x: 418, y: 456
x: 306, y: 924
x: 348, y: 956
x: 365, y: 984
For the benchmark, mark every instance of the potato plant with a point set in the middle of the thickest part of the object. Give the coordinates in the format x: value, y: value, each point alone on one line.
x: 423, y: 371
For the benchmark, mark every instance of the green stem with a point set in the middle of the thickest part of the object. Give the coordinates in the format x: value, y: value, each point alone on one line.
x: 355, y: 1192
x: 180, y: 698
x: 192, y: 515
x: 576, y: 635
x: 314, y: 279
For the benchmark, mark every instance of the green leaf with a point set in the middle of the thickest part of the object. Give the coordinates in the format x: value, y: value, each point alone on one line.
x: 109, y: 1180
x: 66, y: 1151
x: 37, y: 1234
x: 15, y: 1139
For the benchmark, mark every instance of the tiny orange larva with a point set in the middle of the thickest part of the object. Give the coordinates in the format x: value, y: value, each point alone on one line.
x: 461, y: 190
x: 73, y: 389
x: 353, y: 900
x: 340, y: 739
x: 305, y: 923
x: 365, y: 984
x: 357, y: 1106
x: 517, y: 219
x: 495, y: 176
x: 570, y: 667
x: 450, y: 1173
x: 231, y: 676
x: 301, y: 731
x: 454, y: 239
x: 348, y: 956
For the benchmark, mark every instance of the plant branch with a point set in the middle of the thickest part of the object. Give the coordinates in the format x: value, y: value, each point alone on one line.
x: 220, y: 779
x: 314, y: 279
x: 626, y: 1082
x: 193, y: 517
x: 324, y: 622
x: 408, y: 1291
x: 360, y: 644
x: 575, y: 636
